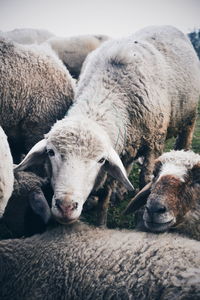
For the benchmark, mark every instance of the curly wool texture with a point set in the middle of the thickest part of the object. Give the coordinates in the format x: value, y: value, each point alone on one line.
x: 180, y: 158
x: 79, y: 139
x: 141, y: 89
x: 80, y: 262
x: 35, y: 91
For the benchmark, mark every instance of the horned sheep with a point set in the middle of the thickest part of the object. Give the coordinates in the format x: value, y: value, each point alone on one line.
x: 80, y: 262
x: 133, y: 94
x: 35, y: 91
x: 6, y: 171
x: 172, y: 197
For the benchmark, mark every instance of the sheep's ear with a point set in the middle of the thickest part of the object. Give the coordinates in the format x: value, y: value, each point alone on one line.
x: 115, y: 168
x: 195, y: 171
x: 35, y: 156
x: 39, y: 205
x: 139, y: 200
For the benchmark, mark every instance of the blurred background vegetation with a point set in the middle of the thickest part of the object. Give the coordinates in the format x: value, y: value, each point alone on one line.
x: 115, y: 217
x: 194, y: 37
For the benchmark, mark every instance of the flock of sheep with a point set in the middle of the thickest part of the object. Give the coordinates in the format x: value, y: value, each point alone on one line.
x: 76, y: 113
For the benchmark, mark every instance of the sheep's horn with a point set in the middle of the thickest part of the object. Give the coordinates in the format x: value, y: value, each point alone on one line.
x: 139, y: 200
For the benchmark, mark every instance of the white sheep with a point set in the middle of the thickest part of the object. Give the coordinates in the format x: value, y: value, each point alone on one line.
x: 27, y: 35
x: 80, y: 262
x: 73, y: 50
x: 133, y: 93
x: 6, y: 171
x: 172, y: 197
x: 35, y: 91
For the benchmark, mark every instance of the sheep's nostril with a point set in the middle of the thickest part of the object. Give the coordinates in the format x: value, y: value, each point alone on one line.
x: 161, y: 209
x: 156, y: 207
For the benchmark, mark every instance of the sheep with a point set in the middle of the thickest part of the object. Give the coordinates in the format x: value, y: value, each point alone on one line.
x: 27, y: 211
x: 27, y: 35
x: 172, y: 197
x: 6, y: 171
x: 73, y: 50
x: 35, y: 91
x: 81, y: 262
x: 133, y: 94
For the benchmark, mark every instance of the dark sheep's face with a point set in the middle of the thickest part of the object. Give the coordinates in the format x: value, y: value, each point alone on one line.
x: 174, y: 193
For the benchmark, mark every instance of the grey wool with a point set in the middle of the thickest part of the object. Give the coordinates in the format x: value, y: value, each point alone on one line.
x: 80, y: 262
x: 35, y: 91
x: 27, y: 211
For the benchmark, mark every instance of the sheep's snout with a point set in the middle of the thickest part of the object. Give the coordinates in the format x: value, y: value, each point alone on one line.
x: 65, y: 210
x: 156, y: 207
x: 157, y: 216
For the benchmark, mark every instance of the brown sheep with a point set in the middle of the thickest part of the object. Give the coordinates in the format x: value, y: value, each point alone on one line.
x: 173, y: 197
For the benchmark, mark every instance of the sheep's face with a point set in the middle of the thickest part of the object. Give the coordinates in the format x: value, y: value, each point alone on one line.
x: 73, y: 177
x: 77, y: 153
x: 174, y: 192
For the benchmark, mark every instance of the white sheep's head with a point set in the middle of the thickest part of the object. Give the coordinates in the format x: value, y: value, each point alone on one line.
x: 77, y: 151
x: 173, y: 193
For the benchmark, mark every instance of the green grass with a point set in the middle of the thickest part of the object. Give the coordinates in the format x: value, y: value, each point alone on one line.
x: 196, y: 137
x: 115, y: 217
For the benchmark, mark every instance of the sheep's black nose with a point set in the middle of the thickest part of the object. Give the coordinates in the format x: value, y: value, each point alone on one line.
x: 156, y: 207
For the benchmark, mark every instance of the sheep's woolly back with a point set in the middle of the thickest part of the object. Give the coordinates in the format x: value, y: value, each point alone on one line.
x: 27, y: 35
x: 34, y: 85
x: 6, y: 171
x: 85, y: 263
x: 147, y: 80
x: 43, y: 50
x: 73, y: 50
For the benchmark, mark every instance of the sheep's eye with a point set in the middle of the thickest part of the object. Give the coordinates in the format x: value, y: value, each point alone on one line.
x: 102, y: 160
x: 50, y: 152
